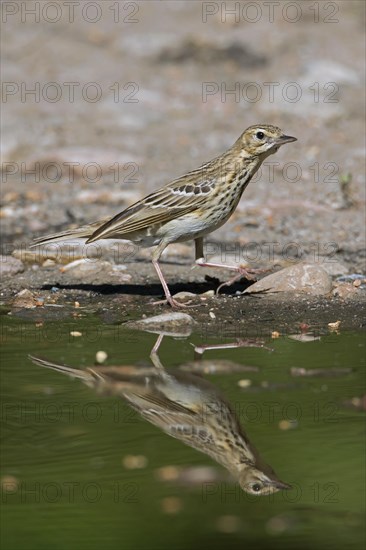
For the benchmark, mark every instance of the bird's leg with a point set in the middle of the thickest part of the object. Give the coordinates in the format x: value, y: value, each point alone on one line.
x: 155, y: 261
x: 241, y: 270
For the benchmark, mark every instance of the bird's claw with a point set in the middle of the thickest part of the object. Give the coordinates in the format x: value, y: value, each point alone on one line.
x: 246, y: 272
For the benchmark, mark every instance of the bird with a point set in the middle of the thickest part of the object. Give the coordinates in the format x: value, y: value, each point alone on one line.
x: 186, y: 407
x: 189, y: 207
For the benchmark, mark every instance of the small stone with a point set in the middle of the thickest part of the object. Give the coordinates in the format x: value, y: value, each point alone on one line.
x: 10, y: 266
x: 275, y: 334
x: 76, y: 304
x: 101, y: 356
x: 357, y: 283
x: 75, y: 333
x: 305, y: 278
x: 212, y: 315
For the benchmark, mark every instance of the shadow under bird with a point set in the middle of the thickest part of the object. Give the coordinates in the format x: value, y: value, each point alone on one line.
x: 188, y: 408
x: 190, y: 206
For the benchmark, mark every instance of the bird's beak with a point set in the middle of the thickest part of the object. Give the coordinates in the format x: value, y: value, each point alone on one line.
x: 285, y: 139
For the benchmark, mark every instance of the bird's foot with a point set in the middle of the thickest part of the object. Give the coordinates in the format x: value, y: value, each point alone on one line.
x: 173, y: 303
x: 242, y: 271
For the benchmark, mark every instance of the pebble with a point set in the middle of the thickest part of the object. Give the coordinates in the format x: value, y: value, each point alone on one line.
x: 305, y: 278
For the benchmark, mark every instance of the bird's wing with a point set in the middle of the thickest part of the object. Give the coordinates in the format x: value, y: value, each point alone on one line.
x: 188, y: 425
x: 166, y: 204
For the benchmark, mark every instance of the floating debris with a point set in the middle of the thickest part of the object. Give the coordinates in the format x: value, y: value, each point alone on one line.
x: 171, y: 505
x: 300, y: 371
x: 304, y: 337
x: 356, y: 403
x: 216, y: 366
x: 244, y: 383
x: 168, y: 473
x: 101, y: 356
x: 287, y: 424
x: 228, y: 524
x: 9, y: 484
x: 134, y: 462
x: 75, y: 333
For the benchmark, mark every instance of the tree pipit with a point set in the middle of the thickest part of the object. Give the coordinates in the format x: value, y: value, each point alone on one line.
x: 189, y: 207
x: 188, y: 408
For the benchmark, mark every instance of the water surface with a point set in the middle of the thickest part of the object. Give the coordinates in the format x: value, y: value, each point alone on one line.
x: 83, y: 470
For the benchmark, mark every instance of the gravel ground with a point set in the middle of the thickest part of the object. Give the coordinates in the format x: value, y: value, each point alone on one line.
x: 162, y: 76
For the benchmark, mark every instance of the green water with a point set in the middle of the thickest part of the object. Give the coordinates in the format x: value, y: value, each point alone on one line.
x: 66, y: 485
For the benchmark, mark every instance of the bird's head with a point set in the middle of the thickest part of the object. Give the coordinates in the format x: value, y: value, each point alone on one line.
x: 263, y: 140
x: 257, y: 482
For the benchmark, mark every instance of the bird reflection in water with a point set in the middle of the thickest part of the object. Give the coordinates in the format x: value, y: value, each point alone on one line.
x: 187, y: 407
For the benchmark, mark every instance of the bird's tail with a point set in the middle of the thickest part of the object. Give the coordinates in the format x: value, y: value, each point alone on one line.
x: 83, y: 232
x: 84, y: 375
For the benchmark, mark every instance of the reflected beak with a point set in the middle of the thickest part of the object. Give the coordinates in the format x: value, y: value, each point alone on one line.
x: 285, y: 139
x: 281, y: 485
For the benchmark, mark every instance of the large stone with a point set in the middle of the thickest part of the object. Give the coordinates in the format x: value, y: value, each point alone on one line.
x: 305, y: 278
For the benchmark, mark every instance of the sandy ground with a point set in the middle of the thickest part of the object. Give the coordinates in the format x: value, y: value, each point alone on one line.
x: 125, y: 104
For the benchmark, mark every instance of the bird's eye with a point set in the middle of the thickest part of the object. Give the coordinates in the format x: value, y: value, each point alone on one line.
x: 256, y: 487
x: 259, y: 135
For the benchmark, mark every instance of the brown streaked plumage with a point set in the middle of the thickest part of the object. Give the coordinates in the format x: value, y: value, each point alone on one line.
x: 190, y: 206
x: 188, y: 408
